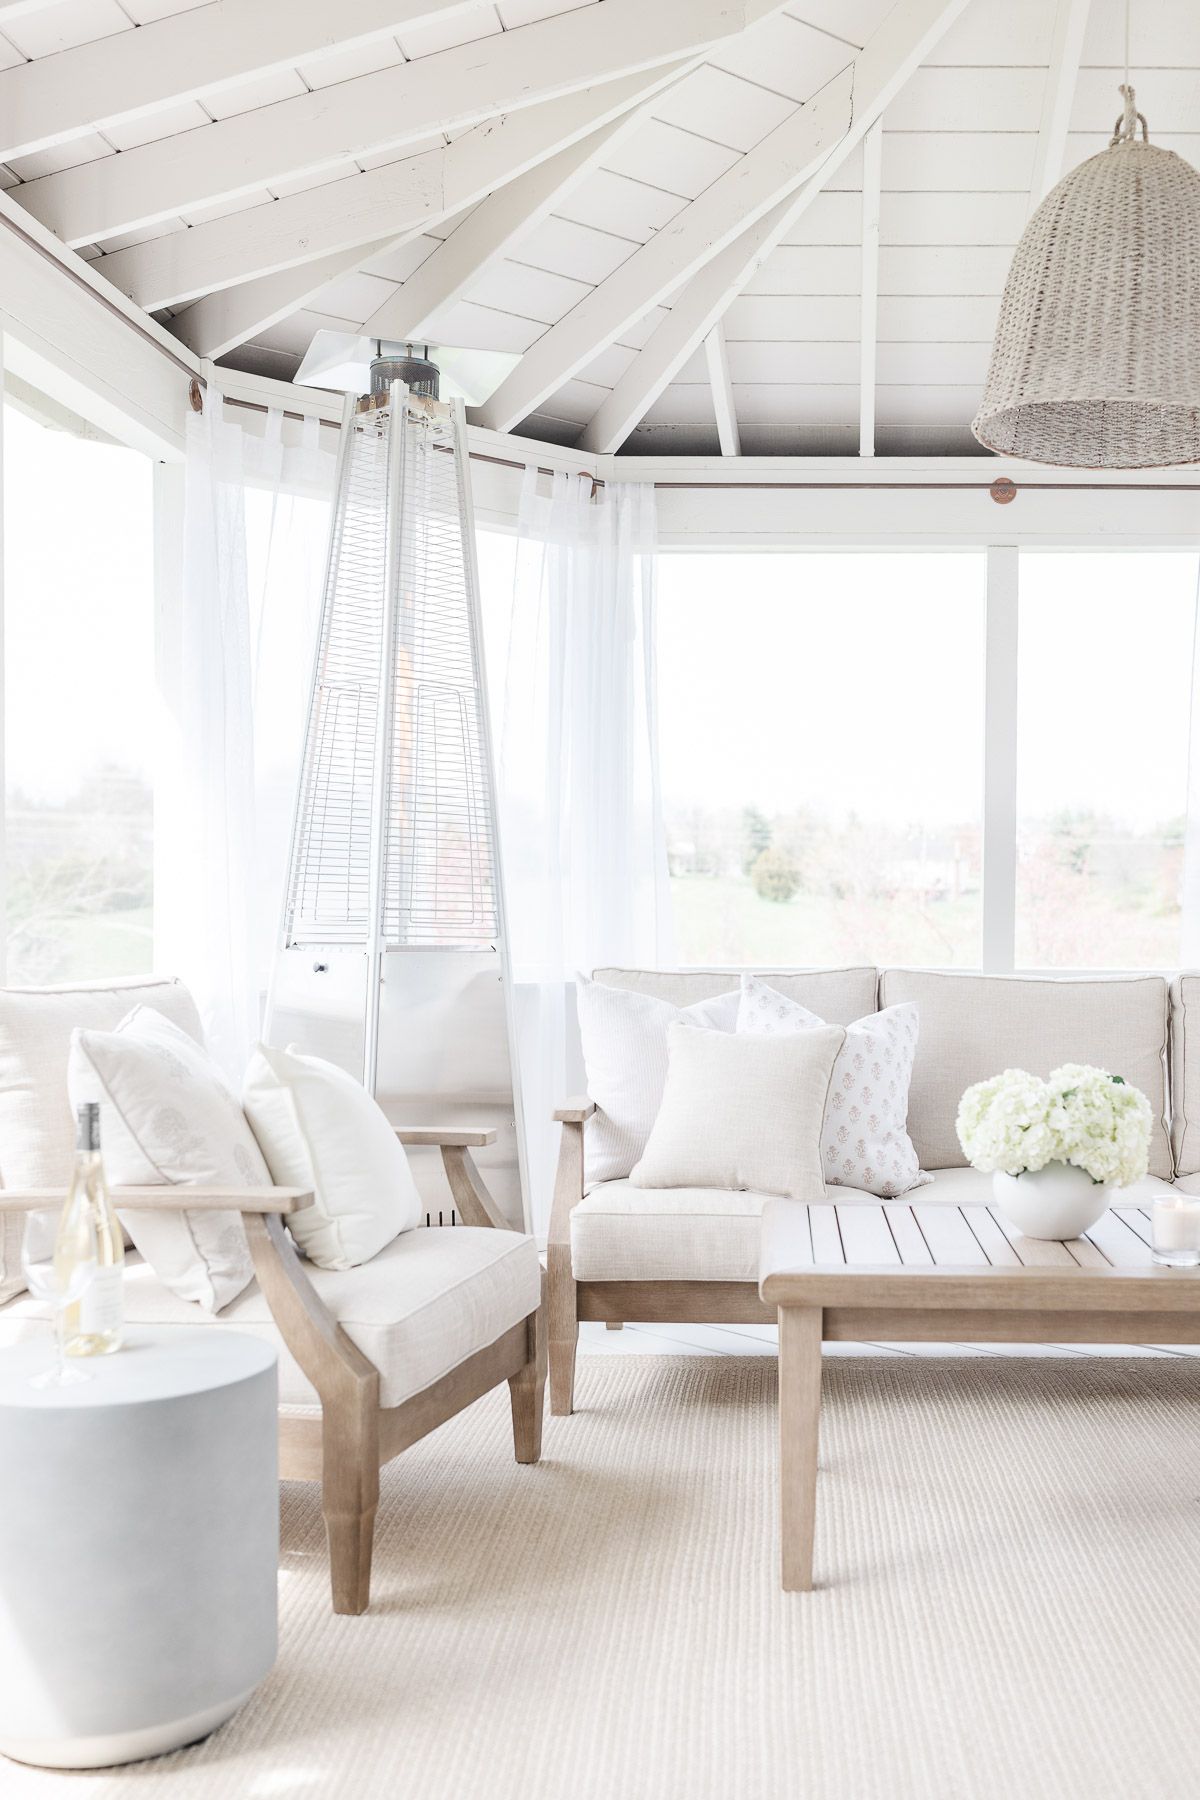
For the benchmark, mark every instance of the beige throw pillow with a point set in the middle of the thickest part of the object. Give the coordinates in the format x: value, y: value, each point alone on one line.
x: 742, y: 1112
x: 169, y: 1117
x: 624, y: 1038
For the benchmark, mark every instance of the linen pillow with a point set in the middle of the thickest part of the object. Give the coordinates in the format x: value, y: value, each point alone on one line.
x: 168, y: 1116
x: 319, y: 1128
x: 742, y: 1112
x: 37, y: 1130
x: 864, y: 1138
x: 624, y: 1038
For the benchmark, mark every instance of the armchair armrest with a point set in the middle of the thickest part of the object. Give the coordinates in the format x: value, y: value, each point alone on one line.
x: 169, y: 1199
x: 475, y: 1205
x: 575, y: 1110
x: 447, y: 1136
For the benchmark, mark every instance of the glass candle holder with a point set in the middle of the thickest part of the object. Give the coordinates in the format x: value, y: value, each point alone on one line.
x: 1175, y: 1230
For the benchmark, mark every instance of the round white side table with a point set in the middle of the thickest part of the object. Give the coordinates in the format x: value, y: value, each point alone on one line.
x: 139, y: 1539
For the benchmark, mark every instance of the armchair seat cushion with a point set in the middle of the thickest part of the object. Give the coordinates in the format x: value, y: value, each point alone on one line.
x: 427, y: 1302
x: 624, y: 1233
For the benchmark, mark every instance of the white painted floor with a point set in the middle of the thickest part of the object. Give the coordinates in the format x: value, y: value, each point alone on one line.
x: 760, y: 1340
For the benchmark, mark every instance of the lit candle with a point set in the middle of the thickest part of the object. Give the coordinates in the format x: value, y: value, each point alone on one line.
x: 1175, y: 1227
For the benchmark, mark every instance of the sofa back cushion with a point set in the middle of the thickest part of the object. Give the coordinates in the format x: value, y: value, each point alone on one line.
x: 973, y: 1026
x: 37, y: 1133
x: 1185, y: 1073
x: 839, y: 995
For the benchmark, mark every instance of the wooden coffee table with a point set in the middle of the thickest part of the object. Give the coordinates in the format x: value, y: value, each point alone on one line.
x: 937, y: 1273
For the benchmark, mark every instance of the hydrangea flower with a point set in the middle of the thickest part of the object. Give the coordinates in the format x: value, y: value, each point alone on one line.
x: 1016, y: 1122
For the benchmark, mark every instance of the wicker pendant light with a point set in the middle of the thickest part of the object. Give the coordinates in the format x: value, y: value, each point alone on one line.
x: 1096, y: 362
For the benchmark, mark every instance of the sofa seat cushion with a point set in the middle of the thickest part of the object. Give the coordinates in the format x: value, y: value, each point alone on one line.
x: 426, y: 1303
x: 623, y: 1233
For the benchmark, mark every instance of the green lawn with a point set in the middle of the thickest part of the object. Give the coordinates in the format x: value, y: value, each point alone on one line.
x: 720, y: 919
x: 81, y: 947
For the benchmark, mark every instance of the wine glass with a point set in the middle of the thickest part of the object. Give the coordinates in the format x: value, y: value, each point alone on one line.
x: 60, y: 1282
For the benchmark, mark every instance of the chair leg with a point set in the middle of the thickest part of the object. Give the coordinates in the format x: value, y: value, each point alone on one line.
x: 562, y: 1374
x: 564, y: 1328
x: 350, y: 1500
x: 527, y: 1392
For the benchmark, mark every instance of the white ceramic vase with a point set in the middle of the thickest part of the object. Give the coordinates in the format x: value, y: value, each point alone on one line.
x: 1059, y: 1201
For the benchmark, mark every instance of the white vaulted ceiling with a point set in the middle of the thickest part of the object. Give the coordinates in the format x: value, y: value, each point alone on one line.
x: 658, y: 203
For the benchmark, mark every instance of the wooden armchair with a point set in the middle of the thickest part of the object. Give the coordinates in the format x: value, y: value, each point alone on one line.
x: 355, y: 1434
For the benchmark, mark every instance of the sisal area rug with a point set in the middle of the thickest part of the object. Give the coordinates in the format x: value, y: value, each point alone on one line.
x: 1008, y: 1554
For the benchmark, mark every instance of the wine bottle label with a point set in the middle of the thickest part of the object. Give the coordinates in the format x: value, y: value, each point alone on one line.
x: 100, y: 1307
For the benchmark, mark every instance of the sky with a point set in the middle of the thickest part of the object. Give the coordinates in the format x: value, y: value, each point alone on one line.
x: 855, y: 682
x: 78, y: 608
x: 845, y: 682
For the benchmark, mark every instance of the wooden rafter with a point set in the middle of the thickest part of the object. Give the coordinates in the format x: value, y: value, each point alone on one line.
x: 446, y: 91
x: 722, y: 392
x: 781, y: 162
x: 868, y: 320
x: 1070, y: 24
x: 56, y: 98
x: 908, y: 33
x: 508, y: 214
x: 477, y: 164
x: 397, y: 201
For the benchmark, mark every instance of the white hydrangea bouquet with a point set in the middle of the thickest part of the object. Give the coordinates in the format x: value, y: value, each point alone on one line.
x: 1079, y: 1134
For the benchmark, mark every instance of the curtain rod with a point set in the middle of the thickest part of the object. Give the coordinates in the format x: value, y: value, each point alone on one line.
x: 73, y: 274
x: 874, y: 487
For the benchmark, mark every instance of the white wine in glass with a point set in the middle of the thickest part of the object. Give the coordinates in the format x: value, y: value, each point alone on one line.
x: 61, y: 1283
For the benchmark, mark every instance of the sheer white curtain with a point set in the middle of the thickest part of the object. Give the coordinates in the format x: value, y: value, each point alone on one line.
x: 582, y: 838
x: 218, y: 827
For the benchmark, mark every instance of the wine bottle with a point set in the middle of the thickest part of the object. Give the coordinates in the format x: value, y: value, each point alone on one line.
x: 94, y: 1324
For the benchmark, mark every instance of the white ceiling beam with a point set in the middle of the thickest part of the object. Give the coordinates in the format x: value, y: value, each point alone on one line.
x: 222, y: 320
x: 495, y: 226
x: 446, y: 91
x: 56, y: 98
x: 1066, y: 49
x: 903, y: 41
x: 779, y: 163
x: 868, y: 317
x: 722, y: 392
x: 394, y: 201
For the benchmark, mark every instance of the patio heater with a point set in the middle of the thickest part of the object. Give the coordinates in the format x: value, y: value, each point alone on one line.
x: 392, y: 961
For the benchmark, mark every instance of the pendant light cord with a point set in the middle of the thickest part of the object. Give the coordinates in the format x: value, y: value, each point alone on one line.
x: 1125, y: 129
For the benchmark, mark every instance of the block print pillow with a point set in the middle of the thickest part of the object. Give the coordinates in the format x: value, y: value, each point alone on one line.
x: 864, y: 1135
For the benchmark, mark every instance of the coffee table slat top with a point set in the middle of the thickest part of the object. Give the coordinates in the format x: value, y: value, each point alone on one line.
x: 933, y: 1254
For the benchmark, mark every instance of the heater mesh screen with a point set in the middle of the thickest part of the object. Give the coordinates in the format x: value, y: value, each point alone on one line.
x: 438, y: 847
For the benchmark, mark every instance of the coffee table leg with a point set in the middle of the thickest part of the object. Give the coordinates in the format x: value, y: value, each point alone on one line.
x: 799, y: 1418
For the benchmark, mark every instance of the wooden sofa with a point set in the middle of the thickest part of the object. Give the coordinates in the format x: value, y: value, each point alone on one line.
x: 626, y: 1254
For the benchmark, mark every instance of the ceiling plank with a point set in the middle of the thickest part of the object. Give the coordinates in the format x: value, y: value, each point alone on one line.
x: 868, y: 319
x: 493, y: 229
x: 17, y: 9
x: 779, y: 163
x: 446, y: 91
x: 56, y: 98
x: 903, y: 40
x: 394, y: 201
x: 722, y: 392
x: 1066, y: 49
